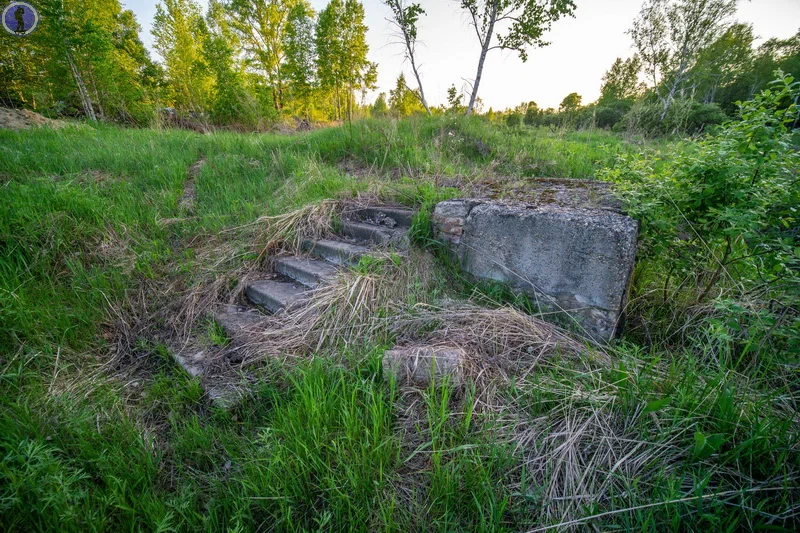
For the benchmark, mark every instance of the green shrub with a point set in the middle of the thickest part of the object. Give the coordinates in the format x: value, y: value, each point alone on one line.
x: 701, y: 116
x: 721, y: 219
x: 681, y: 117
x: 607, y: 116
x: 514, y: 120
x: 531, y: 115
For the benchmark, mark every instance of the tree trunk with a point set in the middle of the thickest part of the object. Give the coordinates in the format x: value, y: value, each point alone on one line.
x: 484, y: 49
x: 86, y: 101
x: 97, y: 99
x: 416, y: 74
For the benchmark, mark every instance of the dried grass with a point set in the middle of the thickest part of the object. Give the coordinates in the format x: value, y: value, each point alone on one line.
x: 289, y: 230
x: 350, y: 311
x: 583, y: 457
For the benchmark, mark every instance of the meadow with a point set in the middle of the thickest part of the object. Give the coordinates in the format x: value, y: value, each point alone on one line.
x: 688, y: 422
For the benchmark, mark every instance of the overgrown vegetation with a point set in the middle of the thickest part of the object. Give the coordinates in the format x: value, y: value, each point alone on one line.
x: 688, y: 422
x: 725, y: 212
x: 255, y: 65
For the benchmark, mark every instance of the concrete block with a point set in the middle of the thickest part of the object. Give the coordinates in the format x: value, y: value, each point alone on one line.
x: 420, y: 364
x: 568, y: 259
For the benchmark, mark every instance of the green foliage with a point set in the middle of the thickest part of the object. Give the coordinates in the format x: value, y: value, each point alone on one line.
x: 670, y: 35
x: 609, y: 115
x: 621, y: 82
x: 178, y: 34
x: 570, y: 103
x: 514, y: 120
x: 454, y: 100
x: 682, y: 117
x: 403, y: 101
x: 342, y: 64
x: 727, y: 206
x: 532, y: 114
x: 380, y: 108
x: 301, y: 56
x: 84, y: 59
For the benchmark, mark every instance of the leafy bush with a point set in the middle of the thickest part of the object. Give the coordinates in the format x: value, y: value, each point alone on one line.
x: 514, y: 120
x: 532, y: 115
x: 682, y: 116
x: 701, y: 116
x: 722, y: 218
x: 607, y: 116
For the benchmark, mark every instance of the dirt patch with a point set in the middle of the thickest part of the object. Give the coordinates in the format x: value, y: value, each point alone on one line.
x: 356, y: 167
x: 23, y: 119
x: 186, y: 203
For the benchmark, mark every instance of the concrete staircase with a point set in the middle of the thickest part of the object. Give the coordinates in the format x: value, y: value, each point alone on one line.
x: 295, y: 276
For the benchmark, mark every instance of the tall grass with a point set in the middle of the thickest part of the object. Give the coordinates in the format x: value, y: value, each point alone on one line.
x: 100, y: 430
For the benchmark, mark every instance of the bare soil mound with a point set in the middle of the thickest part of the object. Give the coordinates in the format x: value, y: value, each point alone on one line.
x: 21, y: 119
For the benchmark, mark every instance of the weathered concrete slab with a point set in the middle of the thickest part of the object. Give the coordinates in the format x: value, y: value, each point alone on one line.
x: 418, y: 365
x: 274, y: 296
x: 570, y: 259
x: 375, y: 234
x: 387, y: 216
x: 308, y: 272
x: 336, y: 252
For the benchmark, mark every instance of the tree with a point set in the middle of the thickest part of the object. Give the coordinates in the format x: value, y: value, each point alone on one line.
x: 379, y: 108
x: 262, y: 27
x: 86, y: 57
x: 532, y: 114
x: 221, y: 48
x: 669, y: 35
x: 454, y: 100
x: 721, y: 61
x: 772, y: 55
x: 519, y: 24
x: 570, y: 103
x: 178, y: 32
x: 403, y: 101
x: 301, y: 56
x: 621, y: 82
x: 342, y: 51
x: 404, y: 17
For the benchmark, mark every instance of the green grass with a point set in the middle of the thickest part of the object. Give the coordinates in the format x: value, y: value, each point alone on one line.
x: 91, y: 440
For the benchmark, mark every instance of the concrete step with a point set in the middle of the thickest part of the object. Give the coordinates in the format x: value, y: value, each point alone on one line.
x: 387, y: 216
x: 274, y: 295
x: 375, y: 234
x: 336, y: 252
x: 308, y: 272
x: 235, y: 318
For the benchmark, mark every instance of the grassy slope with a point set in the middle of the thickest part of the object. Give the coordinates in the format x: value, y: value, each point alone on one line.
x: 91, y: 443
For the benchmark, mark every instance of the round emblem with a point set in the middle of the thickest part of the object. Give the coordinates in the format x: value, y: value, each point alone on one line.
x: 20, y: 18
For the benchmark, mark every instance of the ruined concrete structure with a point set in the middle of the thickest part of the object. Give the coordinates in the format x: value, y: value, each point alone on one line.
x: 574, y: 261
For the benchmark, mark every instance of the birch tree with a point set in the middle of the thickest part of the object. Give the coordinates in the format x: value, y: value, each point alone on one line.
x: 669, y: 36
x: 514, y: 24
x: 404, y: 17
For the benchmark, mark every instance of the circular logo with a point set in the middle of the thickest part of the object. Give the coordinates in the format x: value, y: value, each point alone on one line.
x: 20, y: 18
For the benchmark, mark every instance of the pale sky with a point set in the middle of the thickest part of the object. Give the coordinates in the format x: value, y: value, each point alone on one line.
x: 582, y: 48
